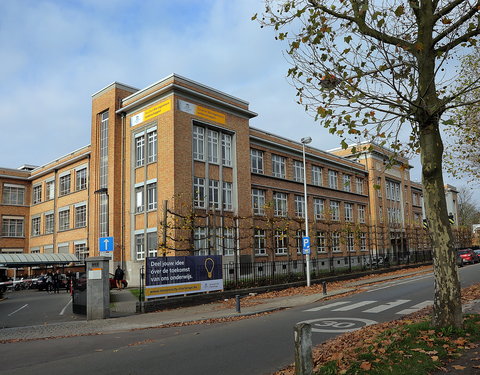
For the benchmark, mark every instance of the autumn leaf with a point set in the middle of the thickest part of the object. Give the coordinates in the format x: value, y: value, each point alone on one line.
x: 366, y: 366
x: 458, y: 367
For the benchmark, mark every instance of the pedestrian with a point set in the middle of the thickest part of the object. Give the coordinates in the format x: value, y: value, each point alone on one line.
x: 49, y: 281
x: 119, y: 277
x: 56, y: 278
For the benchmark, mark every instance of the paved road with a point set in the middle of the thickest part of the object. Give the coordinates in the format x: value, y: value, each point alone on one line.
x: 253, y: 346
x: 33, y: 307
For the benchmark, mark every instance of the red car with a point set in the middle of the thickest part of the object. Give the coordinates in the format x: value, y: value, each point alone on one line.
x: 113, y: 282
x: 468, y: 256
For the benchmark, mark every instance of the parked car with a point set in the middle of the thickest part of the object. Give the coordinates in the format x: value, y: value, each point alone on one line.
x: 468, y: 256
x: 113, y: 282
x: 41, y: 282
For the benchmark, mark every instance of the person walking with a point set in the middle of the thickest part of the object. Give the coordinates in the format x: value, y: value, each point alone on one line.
x: 56, y: 281
x: 119, y: 277
x: 49, y: 281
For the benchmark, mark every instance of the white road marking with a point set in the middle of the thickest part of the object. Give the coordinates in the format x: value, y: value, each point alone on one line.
x: 17, y: 310
x: 389, y: 305
x: 416, y: 307
x: 63, y: 310
x: 400, y: 283
x: 354, y: 306
x: 338, y: 325
x: 328, y: 306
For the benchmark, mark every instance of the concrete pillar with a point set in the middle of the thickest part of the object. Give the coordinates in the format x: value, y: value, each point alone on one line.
x: 98, y: 288
x: 303, y: 349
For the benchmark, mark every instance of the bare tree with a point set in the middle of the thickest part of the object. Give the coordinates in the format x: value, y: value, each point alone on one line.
x: 468, y: 212
x: 383, y: 71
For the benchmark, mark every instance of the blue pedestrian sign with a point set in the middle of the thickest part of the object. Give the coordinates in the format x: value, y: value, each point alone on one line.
x: 306, y: 245
x: 105, y: 243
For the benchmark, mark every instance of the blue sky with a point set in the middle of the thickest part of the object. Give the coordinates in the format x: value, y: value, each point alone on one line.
x: 56, y: 53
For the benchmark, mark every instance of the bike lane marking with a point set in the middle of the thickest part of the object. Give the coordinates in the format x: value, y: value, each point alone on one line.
x: 338, y: 325
x: 17, y: 310
x: 415, y: 308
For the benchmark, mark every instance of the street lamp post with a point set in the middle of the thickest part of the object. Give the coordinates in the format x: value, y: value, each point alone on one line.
x: 305, y: 141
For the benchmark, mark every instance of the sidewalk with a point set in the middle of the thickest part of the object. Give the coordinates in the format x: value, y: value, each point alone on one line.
x: 124, y: 317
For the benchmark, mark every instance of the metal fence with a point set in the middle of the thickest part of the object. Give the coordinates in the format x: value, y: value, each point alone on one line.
x: 244, y: 275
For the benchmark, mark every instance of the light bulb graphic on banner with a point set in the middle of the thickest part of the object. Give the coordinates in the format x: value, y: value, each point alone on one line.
x: 209, y: 265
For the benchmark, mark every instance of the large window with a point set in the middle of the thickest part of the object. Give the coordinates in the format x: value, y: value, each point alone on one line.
x: 299, y: 234
x: 152, y: 244
x: 298, y: 171
x: 13, y: 194
x: 152, y: 196
x: 256, y: 158
x: 335, y: 242
x: 347, y: 182
x: 198, y: 192
x: 258, y: 201
x: 37, y: 194
x: 49, y: 223
x: 317, y: 176
x: 80, y: 216
x: 151, y: 146
x: 281, y: 242
x: 226, y: 150
x: 278, y: 166
x: 212, y: 146
x: 332, y: 179
x: 139, y: 199
x: 280, y: 204
x: 139, y: 246
x: 227, y: 196
x: 259, y: 240
x: 81, y: 179
x: 13, y: 226
x: 334, y: 210
x: 139, y: 150
x: 299, y: 206
x: 321, y: 242
x: 50, y: 190
x: 348, y: 212
x: 81, y: 251
x: 200, y: 241
x: 359, y: 185
x: 392, y: 190
x: 198, y: 143
x: 363, y: 241
x: 214, y: 194
x: 64, y: 182
x: 225, y: 241
x: 350, y: 242
x: 361, y: 214
x: 36, y: 226
x: 319, y: 208
x: 64, y: 219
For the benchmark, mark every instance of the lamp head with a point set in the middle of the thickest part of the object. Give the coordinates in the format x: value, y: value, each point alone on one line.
x: 306, y: 140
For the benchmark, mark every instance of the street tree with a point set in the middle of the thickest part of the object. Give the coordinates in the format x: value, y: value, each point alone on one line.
x: 463, y: 151
x: 383, y: 71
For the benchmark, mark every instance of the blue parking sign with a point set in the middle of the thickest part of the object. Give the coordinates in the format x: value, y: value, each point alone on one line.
x: 306, y: 245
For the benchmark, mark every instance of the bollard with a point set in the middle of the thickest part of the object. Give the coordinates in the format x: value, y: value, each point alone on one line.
x: 303, y: 349
x: 324, y: 285
x: 237, y: 304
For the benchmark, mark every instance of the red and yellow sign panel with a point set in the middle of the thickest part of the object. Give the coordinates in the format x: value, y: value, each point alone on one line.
x: 208, y: 114
x: 151, y: 112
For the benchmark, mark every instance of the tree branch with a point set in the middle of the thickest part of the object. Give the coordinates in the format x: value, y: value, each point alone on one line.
x: 456, y: 25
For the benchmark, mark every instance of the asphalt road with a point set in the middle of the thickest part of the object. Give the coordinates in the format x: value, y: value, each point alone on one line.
x: 32, y: 307
x: 253, y: 346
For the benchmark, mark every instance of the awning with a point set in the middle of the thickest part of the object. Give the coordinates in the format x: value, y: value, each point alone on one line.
x: 20, y: 260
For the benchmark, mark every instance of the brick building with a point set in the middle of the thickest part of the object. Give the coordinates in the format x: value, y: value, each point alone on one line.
x: 175, y: 168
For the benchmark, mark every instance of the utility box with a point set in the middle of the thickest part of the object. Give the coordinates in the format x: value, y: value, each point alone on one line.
x: 98, y: 288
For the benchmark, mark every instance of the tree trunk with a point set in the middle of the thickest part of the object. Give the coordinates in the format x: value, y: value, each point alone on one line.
x: 447, y: 308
